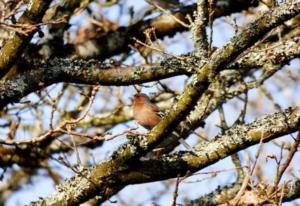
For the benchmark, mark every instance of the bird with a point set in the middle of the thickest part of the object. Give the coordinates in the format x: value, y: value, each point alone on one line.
x: 148, y: 115
x: 145, y: 112
x: 165, y: 4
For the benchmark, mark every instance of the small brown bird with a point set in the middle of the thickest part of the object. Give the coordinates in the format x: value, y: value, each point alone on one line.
x: 147, y: 115
x: 145, y: 112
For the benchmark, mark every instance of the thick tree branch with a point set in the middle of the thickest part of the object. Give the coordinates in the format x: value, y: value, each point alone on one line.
x: 105, y: 181
x: 83, y: 72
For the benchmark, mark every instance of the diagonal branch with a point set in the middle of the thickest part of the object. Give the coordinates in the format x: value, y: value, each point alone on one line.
x: 104, y: 181
x: 220, y: 58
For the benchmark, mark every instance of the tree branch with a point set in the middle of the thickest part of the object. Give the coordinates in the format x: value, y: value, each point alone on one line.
x: 106, y: 178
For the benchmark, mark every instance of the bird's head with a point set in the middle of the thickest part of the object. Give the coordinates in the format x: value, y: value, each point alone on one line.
x: 140, y: 98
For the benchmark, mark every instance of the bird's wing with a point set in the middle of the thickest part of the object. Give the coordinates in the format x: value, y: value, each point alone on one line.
x: 155, y: 108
